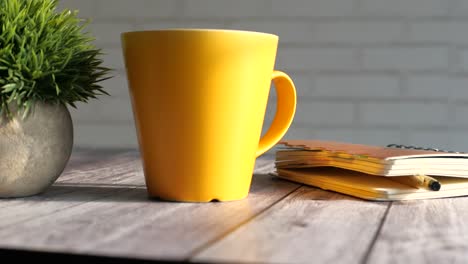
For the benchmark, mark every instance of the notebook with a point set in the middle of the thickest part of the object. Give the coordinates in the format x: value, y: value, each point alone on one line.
x: 376, y: 160
x: 372, y: 172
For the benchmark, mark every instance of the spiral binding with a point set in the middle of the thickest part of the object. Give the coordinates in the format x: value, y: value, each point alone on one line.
x: 421, y: 148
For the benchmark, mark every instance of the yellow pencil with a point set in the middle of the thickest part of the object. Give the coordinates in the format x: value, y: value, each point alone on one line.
x: 418, y: 181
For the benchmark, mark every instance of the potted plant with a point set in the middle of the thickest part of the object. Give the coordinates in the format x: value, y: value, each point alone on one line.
x: 47, y: 63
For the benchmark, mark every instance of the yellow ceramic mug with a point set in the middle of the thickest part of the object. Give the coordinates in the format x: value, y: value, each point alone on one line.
x: 199, y: 98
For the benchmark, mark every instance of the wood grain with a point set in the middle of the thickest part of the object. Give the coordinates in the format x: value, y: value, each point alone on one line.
x: 426, y: 231
x: 89, y: 156
x: 309, y: 226
x: 82, y: 181
x: 101, y: 207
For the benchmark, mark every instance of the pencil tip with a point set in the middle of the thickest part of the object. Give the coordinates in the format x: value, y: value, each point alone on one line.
x: 435, y: 186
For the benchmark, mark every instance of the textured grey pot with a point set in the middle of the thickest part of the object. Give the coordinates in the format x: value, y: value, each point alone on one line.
x: 34, y: 151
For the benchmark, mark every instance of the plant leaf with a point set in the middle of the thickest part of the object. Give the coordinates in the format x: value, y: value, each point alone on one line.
x: 47, y: 55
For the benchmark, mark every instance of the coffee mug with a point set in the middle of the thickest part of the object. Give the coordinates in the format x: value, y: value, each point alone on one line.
x: 199, y: 98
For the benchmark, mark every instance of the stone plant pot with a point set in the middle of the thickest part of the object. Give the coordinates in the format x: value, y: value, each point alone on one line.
x: 35, y: 150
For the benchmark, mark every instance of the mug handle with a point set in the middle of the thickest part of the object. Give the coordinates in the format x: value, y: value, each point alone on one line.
x: 285, y: 110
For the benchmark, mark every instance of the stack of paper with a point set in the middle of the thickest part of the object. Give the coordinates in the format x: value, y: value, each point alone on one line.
x: 373, y: 172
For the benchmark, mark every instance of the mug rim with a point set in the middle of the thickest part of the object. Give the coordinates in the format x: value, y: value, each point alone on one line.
x: 214, y: 30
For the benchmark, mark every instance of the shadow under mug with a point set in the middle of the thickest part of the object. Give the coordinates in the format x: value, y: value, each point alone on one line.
x: 199, y: 98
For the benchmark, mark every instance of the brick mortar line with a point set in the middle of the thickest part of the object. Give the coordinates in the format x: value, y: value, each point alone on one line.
x: 287, y: 19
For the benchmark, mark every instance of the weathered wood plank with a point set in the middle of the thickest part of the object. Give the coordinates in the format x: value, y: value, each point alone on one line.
x: 101, y: 167
x: 264, y: 165
x: 81, y: 159
x: 425, y: 231
x: 87, y: 156
x: 309, y: 226
x: 112, y: 215
x: 80, y: 180
x: 86, y: 171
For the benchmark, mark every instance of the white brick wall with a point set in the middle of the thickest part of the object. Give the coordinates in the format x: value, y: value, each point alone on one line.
x: 87, y: 8
x: 358, y: 32
x: 316, y: 8
x: 464, y: 60
x: 410, y: 8
x: 406, y: 58
x: 459, y: 8
x: 367, y: 71
x: 357, y: 85
x: 136, y: 9
x: 324, y: 58
x: 317, y: 113
x: 444, y: 32
x: 404, y: 113
x: 107, y: 34
x: 438, y: 86
x: 226, y: 9
x: 289, y: 32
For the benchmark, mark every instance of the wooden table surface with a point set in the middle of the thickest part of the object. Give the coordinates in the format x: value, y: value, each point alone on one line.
x: 99, y: 208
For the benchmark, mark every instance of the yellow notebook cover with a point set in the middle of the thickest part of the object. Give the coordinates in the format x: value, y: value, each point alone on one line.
x: 371, y: 187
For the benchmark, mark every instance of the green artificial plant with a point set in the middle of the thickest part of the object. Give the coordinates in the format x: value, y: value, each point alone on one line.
x: 46, y: 55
